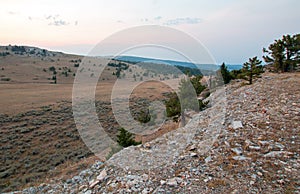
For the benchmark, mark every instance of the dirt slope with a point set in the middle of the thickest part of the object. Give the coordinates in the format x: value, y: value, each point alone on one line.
x: 255, y: 150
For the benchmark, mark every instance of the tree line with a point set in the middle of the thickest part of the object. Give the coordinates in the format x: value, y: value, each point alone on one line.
x: 284, y: 53
x: 281, y: 56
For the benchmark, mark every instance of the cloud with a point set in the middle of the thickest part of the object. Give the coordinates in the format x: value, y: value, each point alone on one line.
x: 179, y: 21
x: 58, y: 23
x: 55, y: 20
x: 13, y: 13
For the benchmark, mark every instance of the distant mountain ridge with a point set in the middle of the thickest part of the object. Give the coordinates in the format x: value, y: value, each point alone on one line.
x: 35, y: 51
x: 135, y: 59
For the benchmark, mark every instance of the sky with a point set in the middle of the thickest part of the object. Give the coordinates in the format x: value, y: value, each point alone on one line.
x: 231, y: 30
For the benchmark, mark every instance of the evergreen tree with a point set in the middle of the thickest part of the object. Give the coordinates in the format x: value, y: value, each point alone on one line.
x: 252, y: 69
x: 291, y: 51
x: 188, y: 89
x: 186, y: 94
x: 197, y: 84
x: 118, y: 73
x: 125, y: 138
x: 225, y: 73
x: 284, y: 53
x: 173, y: 105
x: 54, y: 78
x: 52, y: 68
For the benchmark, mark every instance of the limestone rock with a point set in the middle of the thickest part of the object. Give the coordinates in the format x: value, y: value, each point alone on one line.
x: 102, y: 175
x: 237, y: 124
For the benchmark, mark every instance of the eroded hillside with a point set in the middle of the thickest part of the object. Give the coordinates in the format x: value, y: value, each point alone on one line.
x: 253, y: 148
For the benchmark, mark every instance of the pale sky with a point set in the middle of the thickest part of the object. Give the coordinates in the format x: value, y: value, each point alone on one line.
x: 232, y: 30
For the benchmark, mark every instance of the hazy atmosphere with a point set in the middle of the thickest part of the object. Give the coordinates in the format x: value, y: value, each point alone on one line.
x: 232, y: 30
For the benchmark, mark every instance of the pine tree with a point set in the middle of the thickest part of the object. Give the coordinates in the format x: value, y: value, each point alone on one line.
x: 284, y: 53
x: 188, y: 90
x: 173, y: 105
x: 118, y: 73
x: 225, y: 73
x: 291, y: 46
x: 125, y: 138
x: 186, y: 94
x: 252, y: 69
x: 197, y: 84
x: 54, y: 79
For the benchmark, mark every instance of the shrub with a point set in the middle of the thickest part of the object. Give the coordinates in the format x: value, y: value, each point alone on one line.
x: 3, y: 54
x: 144, y: 116
x: 125, y: 138
x: 236, y: 74
x: 5, y: 79
x: 20, y: 49
x: 202, y: 104
x: 52, y: 68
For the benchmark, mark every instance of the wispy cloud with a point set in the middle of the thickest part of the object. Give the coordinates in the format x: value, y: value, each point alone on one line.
x: 55, y: 20
x: 179, y: 21
x: 153, y: 20
x: 171, y: 22
x: 58, y: 23
x: 13, y: 13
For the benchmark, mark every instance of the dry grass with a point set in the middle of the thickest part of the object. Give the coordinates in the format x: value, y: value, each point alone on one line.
x: 47, y: 140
